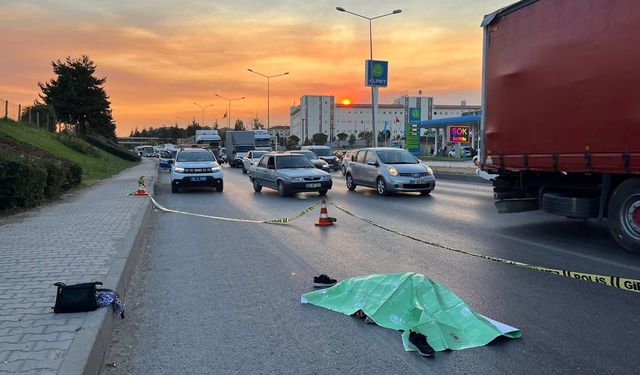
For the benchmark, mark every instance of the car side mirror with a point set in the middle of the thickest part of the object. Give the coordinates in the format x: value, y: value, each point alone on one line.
x: 170, y: 161
x: 374, y: 163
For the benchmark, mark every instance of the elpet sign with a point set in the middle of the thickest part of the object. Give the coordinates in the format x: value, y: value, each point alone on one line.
x: 376, y: 73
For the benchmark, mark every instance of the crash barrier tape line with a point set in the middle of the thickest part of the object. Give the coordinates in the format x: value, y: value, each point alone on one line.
x: 631, y: 285
x: 280, y: 221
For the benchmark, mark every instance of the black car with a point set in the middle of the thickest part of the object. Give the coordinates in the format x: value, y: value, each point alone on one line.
x: 317, y: 162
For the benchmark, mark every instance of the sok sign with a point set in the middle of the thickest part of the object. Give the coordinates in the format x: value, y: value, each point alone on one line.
x: 459, y: 134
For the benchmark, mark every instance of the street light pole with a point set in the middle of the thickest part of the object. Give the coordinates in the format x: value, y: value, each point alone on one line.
x: 374, y: 89
x: 203, y: 108
x: 268, y: 90
x: 229, y: 107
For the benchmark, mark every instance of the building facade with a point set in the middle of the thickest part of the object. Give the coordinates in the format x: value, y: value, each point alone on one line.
x: 321, y: 114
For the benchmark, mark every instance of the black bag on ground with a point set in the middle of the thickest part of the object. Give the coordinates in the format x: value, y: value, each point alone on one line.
x: 76, y: 298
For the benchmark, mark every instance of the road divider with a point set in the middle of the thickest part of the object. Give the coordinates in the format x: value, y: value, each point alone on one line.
x: 281, y: 221
x: 628, y: 284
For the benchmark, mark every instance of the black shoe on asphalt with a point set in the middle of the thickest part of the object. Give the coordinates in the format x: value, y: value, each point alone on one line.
x: 323, y: 281
x: 420, y: 342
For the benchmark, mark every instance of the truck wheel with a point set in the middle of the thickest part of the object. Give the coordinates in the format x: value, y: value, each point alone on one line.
x: 624, y: 215
x: 350, y: 184
x: 256, y: 186
x: 569, y: 205
x: 220, y: 187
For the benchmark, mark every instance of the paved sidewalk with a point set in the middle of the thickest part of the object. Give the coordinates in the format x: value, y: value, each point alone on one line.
x: 74, y: 240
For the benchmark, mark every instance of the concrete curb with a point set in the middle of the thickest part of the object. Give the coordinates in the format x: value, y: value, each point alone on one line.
x: 87, y: 351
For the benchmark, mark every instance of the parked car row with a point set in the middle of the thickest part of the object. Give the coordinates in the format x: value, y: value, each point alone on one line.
x: 387, y: 170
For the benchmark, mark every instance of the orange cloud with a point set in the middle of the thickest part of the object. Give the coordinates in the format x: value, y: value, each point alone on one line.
x: 158, y: 64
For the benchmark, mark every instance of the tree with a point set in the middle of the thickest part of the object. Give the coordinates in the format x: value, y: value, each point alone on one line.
x: 319, y: 139
x: 381, y: 136
x: 78, y: 97
x: 366, y: 136
x: 257, y: 124
x: 352, y: 139
x: 342, y: 137
x: 292, y: 141
x: 215, y: 125
x: 239, y: 125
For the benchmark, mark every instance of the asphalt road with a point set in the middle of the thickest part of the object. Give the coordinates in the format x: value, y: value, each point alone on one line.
x: 213, y: 297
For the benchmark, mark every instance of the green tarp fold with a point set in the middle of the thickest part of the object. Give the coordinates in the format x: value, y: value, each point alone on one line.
x: 411, y: 301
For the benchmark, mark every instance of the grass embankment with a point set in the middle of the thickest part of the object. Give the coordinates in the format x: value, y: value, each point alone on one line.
x: 96, y: 164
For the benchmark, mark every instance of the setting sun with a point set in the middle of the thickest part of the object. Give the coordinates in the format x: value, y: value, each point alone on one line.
x: 346, y: 101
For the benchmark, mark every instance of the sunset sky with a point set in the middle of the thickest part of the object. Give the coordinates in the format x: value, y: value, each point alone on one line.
x: 160, y: 56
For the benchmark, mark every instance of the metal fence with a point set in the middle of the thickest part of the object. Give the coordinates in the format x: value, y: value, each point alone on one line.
x: 10, y: 110
x: 26, y: 114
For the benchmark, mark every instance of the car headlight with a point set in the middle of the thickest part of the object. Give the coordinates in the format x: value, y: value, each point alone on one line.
x: 216, y: 169
x: 326, y: 178
x: 429, y: 170
x: 392, y: 171
x: 179, y: 169
x: 296, y: 179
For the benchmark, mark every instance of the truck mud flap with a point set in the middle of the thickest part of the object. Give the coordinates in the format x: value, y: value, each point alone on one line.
x: 565, y: 204
x: 510, y: 206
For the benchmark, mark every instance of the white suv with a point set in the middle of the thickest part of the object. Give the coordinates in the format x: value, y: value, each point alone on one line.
x: 194, y: 168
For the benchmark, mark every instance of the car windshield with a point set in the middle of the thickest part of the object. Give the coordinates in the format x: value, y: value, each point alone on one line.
x: 397, y: 157
x: 165, y: 155
x: 293, y: 161
x: 322, y: 152
x: 187, y: 156
x: 258, y: 154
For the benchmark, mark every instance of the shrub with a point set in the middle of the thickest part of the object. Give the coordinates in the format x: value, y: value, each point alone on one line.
x: 112, y: 148
x: 22, y: 182
x: 55, y: 179
x: 77, y: 144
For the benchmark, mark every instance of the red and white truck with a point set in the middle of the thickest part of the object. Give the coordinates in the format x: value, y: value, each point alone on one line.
x: 561, y: 110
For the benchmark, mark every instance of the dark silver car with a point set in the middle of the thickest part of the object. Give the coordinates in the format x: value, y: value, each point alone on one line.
x: 389, y: 170
x: 289, y: 173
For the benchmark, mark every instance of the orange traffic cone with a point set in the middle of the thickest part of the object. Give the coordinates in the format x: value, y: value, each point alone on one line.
x: 325, y: 220
x: 141, y: 188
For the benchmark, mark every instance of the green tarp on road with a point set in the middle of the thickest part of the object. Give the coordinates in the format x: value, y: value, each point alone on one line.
x: 410, y: 301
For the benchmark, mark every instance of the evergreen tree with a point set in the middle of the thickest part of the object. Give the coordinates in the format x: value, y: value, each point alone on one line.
x: 78, y: 97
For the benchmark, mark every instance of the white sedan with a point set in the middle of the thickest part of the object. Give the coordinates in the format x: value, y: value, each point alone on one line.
x: 251, y: 158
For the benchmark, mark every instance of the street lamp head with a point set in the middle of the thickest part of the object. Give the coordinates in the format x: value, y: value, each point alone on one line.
x: 249, y: 69
x: 340, y: 9
x: 397, y: 11
x: 286, y: 73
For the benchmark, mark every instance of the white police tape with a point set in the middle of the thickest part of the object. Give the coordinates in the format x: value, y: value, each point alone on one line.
x: 628, y: 284
x: 284, y: 220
